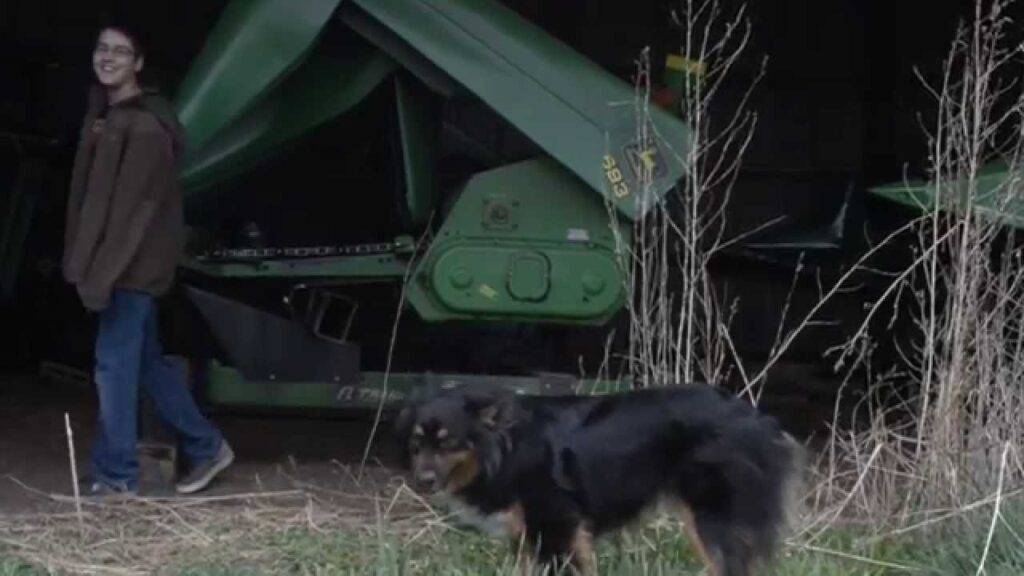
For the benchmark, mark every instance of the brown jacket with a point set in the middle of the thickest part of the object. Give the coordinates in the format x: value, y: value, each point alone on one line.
x: 124, y: 217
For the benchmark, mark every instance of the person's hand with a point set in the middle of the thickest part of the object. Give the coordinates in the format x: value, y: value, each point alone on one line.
x: 94, y: 299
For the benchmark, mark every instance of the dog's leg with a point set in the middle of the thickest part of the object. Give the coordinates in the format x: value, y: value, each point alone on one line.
x: 583, y: 551
x: 725, y: 550
x: 515, y: 524
x: 689, y: 522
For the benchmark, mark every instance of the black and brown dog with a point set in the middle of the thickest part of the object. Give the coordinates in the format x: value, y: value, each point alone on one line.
x: 554, y: 472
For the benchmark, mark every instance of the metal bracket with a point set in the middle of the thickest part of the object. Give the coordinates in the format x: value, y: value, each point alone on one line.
x: 318, y: 303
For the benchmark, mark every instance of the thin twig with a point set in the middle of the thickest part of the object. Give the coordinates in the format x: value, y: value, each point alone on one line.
x: 995, y: 511
x: 861, y: 559
x: 413, y: 263
x: 74, y: 473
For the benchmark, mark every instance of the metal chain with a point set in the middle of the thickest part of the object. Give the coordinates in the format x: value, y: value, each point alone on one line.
x: 298, y: 252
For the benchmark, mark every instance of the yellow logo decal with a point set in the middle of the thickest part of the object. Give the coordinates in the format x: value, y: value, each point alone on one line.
x: 488, y: 292
x: 614, y: 176
x: 645, y: 162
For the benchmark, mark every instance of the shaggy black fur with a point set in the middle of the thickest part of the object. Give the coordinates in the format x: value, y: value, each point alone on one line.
x: 558, y: 471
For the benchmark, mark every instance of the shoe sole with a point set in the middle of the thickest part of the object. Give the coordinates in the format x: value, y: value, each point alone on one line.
x: 205, y: 480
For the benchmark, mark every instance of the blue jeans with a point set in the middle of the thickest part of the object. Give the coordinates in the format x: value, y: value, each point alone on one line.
x: 129, y: 356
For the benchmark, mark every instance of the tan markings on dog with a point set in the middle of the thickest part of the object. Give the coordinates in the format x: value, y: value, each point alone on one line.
x: 464, y: 468
x: 514, y: 519
x: 583, y: 552
x: 690, y: 526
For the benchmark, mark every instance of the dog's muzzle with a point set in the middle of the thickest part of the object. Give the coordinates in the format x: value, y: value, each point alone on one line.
x: 427, y: 479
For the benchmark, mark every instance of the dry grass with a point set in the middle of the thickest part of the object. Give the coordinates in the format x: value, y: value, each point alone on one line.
x: 678, y: 325
x: 146, y: 535
x: 388, y: 530
x: 932, y: 446
x: 947, y: 433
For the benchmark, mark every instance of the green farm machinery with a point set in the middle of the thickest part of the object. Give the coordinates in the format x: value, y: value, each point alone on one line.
x: 350, y: 158
x: 505, y: 169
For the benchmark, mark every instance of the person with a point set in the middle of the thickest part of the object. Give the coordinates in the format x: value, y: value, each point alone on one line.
x: 124, y: 230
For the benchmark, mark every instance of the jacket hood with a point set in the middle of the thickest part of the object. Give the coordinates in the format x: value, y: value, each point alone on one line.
x: 153, y: 102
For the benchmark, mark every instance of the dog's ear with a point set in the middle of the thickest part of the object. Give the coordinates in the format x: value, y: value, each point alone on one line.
x: 492, y: 408
x: 403, y: 422
x: 407, y: 413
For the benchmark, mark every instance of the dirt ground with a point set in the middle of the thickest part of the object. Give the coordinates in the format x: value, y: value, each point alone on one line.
x: 272, y: 453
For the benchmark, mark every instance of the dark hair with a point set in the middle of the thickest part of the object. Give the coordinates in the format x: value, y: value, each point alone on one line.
x: 128, y: 28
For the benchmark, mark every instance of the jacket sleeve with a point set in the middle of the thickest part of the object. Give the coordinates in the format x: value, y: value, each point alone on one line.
x: 72, y: 263
x: 137, y: 193
x: 75, y: 258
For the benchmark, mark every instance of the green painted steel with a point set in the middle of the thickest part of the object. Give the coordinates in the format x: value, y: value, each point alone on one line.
x: 417, y: 132
x: 225, y: 386
x: 529, y: 242
x: 989, y: 195
x: 255, y: 44
x: 322, y: 89
x: 345, y: 269
x: 524, y: 242
x: 576, y: 111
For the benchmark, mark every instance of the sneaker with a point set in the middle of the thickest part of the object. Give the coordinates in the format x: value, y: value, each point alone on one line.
x: 90, y: 489
x: 202, y: 474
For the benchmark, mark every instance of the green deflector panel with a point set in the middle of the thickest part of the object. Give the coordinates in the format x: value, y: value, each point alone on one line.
x: 990, y: 195
x: 417, y: 132
x: 252, y: 87
x: 576, y: 111
x: 322, y: 89
x: 254, y: 45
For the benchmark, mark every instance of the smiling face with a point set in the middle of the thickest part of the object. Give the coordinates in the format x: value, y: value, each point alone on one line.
x: 115, y: 60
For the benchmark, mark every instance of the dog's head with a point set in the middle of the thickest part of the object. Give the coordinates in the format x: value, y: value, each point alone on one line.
x: 446, y: 433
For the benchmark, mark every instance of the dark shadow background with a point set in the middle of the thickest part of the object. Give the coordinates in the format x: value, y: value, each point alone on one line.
x: 838, y: 107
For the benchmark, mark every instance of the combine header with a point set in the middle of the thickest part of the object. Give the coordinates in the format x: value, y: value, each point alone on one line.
x: 549, y: 176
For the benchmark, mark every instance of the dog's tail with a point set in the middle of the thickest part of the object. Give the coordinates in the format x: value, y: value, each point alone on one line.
x: 748, y: 498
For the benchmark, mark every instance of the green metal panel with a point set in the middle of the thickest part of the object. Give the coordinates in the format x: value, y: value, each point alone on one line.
x: 352, y: 269
x: 488, y: 279
x: 417, y: 132
x: 254, y: 45
x: 576, y: 111
x: 990, y: 196
x: 528, y: 241
x: 322, y: 89
x: 226, y: 387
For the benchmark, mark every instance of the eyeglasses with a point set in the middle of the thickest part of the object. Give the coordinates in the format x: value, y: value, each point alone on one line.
x: 119, y: 51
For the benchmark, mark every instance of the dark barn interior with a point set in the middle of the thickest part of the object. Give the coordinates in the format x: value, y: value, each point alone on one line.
x: 837, y: 111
